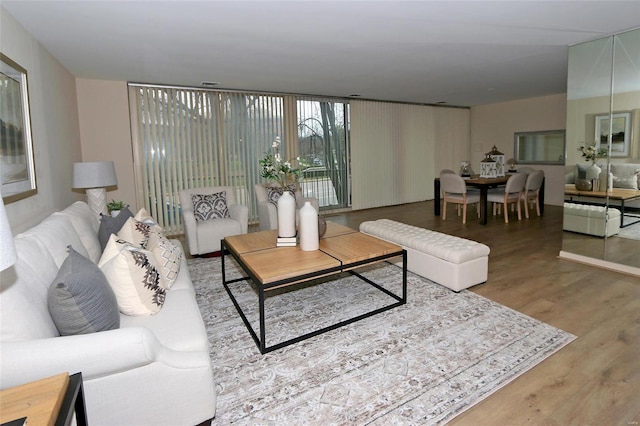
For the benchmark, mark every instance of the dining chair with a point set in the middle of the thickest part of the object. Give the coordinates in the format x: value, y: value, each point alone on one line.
x: 454, y: 190
x: 532, y: 191
x: 511, y: 194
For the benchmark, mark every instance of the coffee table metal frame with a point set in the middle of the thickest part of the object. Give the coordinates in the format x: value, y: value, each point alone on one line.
x: 260, y: 339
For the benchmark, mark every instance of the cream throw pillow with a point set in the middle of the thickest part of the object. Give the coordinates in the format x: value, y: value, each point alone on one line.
x: 134, y: 277
x: 168, y: 258
x: 136, y: 232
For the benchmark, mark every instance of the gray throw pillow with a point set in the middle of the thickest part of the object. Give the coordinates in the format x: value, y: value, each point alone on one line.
x: 80, y: 298
x: 210, y: 206
x: 111, y: 225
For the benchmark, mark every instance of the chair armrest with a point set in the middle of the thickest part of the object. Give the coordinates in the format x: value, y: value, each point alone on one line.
x: 95, y: 355
x: 267, y: 216
x: 240, y: 213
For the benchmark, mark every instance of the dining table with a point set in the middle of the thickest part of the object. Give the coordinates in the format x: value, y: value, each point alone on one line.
x: 484, y: 184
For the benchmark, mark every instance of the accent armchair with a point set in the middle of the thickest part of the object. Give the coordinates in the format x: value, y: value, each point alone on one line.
x: 267, y: 210
x: 203, y: 232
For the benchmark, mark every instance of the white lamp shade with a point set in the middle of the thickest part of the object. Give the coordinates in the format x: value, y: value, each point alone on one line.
x: 96, y: 174
x: 7, y: 249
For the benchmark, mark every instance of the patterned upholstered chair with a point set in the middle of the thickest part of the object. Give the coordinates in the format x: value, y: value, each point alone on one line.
x: 209, y: 215
x: 267, y: 196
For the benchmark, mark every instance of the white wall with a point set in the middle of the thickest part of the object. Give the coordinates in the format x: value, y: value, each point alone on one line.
x: 54, y: 123
x: 105, y: 131
x: 495, y: 124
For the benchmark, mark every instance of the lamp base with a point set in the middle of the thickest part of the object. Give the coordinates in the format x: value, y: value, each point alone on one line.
x: 97, y: 200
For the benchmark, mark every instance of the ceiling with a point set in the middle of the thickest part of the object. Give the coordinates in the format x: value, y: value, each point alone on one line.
x: 460, y: 53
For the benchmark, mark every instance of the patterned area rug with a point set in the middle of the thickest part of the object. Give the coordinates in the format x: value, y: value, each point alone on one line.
x: 422, y: 363
x: 632, y: 231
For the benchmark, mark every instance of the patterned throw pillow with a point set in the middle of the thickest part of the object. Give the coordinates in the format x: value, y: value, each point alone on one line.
x: 168, y: 257
x: 137, y: 232
x: 134, y: 277
x: 210, y: 206
x: 80, y: 298
x: 626, y: 182
x: 275, y: 192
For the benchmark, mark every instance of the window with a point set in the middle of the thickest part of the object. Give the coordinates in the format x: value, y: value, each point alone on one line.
x: 189, y: 138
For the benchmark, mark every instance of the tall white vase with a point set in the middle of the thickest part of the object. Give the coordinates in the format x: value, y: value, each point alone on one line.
x: 286, y: 215
x: 309, y: 239
x: 593, y: 172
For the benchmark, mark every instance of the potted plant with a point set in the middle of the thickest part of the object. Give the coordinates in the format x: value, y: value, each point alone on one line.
x: 115, y: 207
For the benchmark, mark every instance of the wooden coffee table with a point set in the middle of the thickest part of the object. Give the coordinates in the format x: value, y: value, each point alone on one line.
x: 571, y: 194
x: 341, y: 250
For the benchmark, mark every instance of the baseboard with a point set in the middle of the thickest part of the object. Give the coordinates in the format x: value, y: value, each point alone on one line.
x: 603, y: 264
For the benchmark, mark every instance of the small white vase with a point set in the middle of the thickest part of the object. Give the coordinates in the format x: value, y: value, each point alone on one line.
x: 606, y: 181
x: 592, y: 172
x: 115, y: 213
x: 309, y: 239
x: 286, y: 215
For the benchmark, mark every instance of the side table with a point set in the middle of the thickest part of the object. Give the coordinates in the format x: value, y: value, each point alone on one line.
x: 50, y: 401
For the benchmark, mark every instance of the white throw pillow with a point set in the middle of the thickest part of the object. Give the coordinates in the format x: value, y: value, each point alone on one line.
x: 168, y: 258
x: 134, y: 277
x: 144, y: 216
x: 137, y: 232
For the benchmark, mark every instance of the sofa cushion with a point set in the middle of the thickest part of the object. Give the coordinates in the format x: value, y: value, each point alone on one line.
x: 80, y: 298
x: 210, y: 206
x: 111, y: 225
x: 85, y: 222
x: 56, y: 233
x: 133, y: 276
x: 24, y: 314
x: 168, y: 258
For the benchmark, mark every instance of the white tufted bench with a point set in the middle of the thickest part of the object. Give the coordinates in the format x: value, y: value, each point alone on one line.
x: 588, y: 219
x: 451, y: 261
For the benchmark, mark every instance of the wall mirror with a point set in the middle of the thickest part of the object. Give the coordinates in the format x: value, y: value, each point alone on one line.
x: 546, y: 147
x: 603, y: 109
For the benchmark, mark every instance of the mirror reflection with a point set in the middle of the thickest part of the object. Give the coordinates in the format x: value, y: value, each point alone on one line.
x: 546, y: 147
x: 603, y: 116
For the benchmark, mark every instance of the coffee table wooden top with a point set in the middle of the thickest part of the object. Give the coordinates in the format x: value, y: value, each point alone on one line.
x: 340, y: 247
x: 615, y: 193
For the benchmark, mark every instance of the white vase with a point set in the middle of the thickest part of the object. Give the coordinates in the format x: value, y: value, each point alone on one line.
x: 592, y: 172
x: 309, y: 239
x: 606, y: 181
x: 286, y: 215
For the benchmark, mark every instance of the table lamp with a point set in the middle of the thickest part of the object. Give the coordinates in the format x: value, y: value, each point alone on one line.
x: 95, y: 177
x: 7, y: 248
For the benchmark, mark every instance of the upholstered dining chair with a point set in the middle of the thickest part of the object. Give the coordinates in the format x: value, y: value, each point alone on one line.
x: 510, y: 194
x: 267, y: 196
x: 209, y: 215
x: 454, y: 190
x: 532, y: 191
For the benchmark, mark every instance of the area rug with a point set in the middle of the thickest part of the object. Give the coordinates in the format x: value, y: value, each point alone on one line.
x: 421, y: 363
x: 632, y: 231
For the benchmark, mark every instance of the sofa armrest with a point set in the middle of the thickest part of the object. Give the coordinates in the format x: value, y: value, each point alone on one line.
x: 95, y: 355
x: 240, y: 213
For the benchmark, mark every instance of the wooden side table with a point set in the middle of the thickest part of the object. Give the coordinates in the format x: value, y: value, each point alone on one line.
x: 50, y: 401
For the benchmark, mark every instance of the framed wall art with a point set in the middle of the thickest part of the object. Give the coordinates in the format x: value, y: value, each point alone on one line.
x: 17, y: 168
x: 620, y: 133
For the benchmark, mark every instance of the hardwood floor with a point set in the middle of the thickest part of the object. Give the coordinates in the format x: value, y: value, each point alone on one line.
x: 595, y: 380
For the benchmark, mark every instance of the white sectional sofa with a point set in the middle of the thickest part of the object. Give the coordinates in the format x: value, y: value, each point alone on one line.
x: 151, y: 370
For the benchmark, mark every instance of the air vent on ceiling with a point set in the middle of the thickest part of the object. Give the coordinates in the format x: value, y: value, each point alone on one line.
x: 210, y: 83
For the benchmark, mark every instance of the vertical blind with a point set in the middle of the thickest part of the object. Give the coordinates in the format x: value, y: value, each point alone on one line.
x: 186, y: 138
x: 392, y: 152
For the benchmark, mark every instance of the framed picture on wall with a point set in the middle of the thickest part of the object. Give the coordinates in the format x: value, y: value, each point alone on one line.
x: 620, y: 133
x: 17, y: 169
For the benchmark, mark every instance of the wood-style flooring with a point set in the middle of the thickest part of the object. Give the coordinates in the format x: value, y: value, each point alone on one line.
x: 595, y: 380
